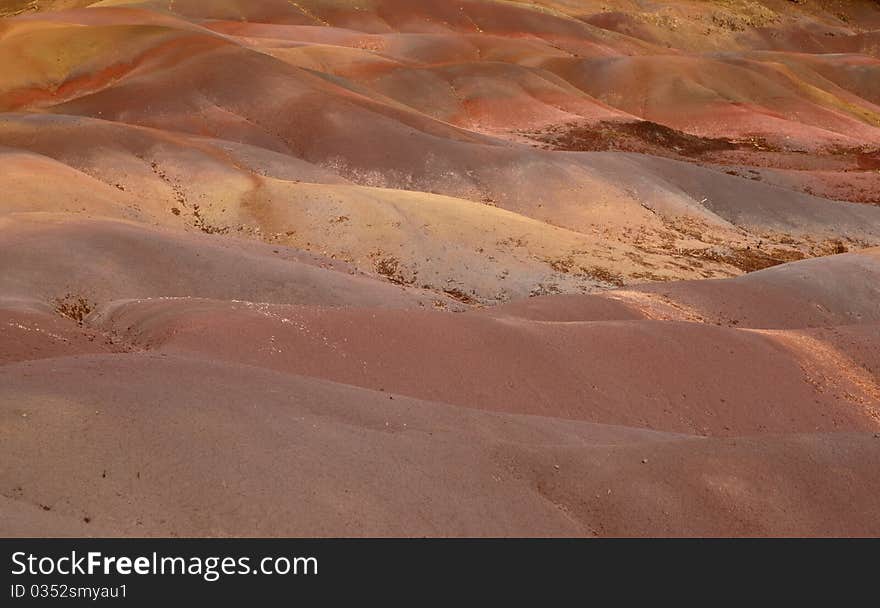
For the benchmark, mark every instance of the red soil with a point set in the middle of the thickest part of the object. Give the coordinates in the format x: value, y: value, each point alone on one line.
x: 444, y: 268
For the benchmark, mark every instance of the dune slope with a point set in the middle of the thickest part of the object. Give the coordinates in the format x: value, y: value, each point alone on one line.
x: 439, y: 268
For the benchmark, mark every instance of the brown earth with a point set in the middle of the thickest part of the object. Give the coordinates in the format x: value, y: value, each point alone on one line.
x: 439, y: 267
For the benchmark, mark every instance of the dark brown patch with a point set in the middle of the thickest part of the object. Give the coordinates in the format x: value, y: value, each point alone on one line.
x: 459, y: 295
x: 390, y: 267
x: 748, y: 259
x: 604, y: 275
x: 74, y: 307
x: 640, y: 136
